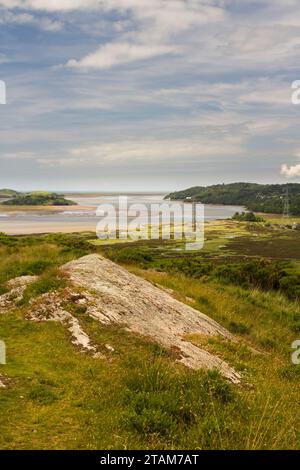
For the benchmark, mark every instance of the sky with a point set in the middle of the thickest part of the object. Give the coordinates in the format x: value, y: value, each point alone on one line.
x: 148, y: 95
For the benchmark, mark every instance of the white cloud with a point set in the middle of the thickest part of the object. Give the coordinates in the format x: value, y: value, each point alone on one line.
x: 265, y: 91
x: 154, y: 23
x: 47, y: 24
x: 220, y: 93
x: 256, y: 40
x: 119, y: 53
x: 139, y: 151
x: 181, y: 11
x: 44, y: 23
x: 265, y: 126
x: 293, y: 170
x: 18, y: 156
x: 50, y: 5
x: 290, y: 171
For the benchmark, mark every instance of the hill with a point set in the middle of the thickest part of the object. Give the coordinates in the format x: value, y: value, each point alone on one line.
x: 83, y: 373
x: 4, y: 193
x: 256, y: 197
x: 39, y: 198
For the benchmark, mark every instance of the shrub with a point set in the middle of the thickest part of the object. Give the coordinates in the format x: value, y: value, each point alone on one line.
x: 247, y: 217
x: 259, y: 273
x: 290, y: 285
x: 129, y: 256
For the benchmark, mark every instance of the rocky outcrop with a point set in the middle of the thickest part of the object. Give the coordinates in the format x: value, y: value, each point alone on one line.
x: 112, y: 295
x: 49, y: 307
x: 122, y: 298
x: 16, y: 288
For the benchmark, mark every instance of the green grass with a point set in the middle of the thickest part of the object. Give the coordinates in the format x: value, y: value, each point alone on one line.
x: 137, y: 396
x: 60, y: 398
x: 20, y: 256
x: 262, y: 321
x: 50, y: 281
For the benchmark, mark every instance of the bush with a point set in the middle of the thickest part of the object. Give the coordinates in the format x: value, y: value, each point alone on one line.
x: 247, y: 217
x: 129, y: 256
x: 259, y: 273
x: 193, y: 267
x: 290, y: 285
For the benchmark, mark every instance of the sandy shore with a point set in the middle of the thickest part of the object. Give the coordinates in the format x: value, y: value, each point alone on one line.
x: 27, y: 220
x: 37, y: 229
x: 43, y: 209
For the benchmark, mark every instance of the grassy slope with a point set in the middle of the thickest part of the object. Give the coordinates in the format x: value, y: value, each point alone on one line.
x: 7, y: 193
x: 137, y: 397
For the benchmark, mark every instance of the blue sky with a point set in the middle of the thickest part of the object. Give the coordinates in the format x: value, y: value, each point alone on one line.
x: 141, y: 95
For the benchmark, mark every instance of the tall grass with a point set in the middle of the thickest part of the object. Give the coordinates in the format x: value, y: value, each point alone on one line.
x: 20, y: 256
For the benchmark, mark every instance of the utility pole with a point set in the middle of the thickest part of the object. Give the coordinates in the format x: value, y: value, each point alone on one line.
x: 286, y: 207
